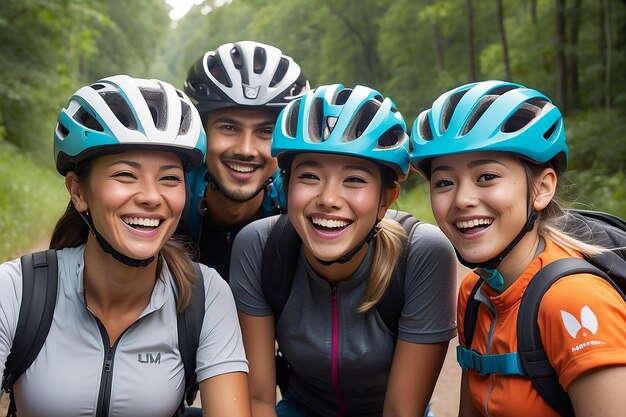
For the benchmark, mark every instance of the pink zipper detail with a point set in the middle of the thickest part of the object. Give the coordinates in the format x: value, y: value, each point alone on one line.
x: 335, y: 354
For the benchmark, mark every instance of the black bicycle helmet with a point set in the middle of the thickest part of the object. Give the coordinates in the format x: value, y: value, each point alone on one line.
x: 244, y: 74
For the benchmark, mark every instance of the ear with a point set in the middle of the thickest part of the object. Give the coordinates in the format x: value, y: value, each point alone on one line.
x: 545, y: 187
x: 76, y: 193
x: 390, y: 195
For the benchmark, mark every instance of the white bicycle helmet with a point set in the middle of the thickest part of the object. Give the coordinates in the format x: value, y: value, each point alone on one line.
x: 244, y: 74
x: 120, y: 113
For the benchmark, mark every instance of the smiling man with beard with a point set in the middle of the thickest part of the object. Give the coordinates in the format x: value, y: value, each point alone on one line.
x: 239, y: 88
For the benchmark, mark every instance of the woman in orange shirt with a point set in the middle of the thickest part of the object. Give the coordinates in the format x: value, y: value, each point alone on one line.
x: 492, y: 152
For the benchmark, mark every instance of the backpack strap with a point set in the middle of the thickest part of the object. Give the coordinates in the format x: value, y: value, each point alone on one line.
x: 467, y: 358
x: 279, y: 264
x: 471, y: 314
x: 531, y: 350
x: 39, y: 294
x: 189, y: 325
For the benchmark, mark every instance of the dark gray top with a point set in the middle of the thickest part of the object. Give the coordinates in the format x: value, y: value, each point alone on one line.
x: 365, y: 346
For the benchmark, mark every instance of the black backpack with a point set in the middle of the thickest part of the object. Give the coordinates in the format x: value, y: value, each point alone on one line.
x: 280, y: 254
x: 39, y: 294
x: 600, y: 228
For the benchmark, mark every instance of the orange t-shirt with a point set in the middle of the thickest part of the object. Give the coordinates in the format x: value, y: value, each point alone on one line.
x: 582, y: 321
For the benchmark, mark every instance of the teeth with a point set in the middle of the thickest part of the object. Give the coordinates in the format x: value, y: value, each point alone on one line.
x: 473, y: 223
x: 329, y: 223
x: 136, y: 221
x: 240, y: 167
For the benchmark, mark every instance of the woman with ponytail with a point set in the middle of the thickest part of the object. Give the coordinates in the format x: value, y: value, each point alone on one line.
x: 343, y: 153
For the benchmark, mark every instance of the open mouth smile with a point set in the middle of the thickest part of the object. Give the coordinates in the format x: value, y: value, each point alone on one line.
x: 329, y: 224
x: 473, y: 225
x: 240, y: 167
x: 141, y: 223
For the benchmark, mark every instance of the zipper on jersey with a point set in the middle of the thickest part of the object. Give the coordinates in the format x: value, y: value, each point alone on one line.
x: 335, y: 353
x: 106, y: 379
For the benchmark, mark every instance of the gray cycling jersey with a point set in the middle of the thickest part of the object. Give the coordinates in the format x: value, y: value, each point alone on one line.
x: 364, y: 345
x: 68, y: 378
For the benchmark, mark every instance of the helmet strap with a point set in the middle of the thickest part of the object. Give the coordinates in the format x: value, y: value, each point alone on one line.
x: 494, y: 262
x: 106, y: 246
x: 348, y: 256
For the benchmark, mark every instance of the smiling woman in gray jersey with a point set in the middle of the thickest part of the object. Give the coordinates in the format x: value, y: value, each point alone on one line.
x: 343, y: 153
x: 124, y: 146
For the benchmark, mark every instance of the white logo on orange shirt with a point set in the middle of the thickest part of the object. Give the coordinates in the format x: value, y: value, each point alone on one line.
x: 588, y: 321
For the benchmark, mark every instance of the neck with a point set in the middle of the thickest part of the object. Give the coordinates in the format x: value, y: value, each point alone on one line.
x: 516, y: 262
x: 109, y: 284
x: 336, y: 273
x: 227, y: 213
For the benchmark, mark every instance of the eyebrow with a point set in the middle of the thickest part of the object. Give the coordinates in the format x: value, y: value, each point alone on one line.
x: 471, y: 164
x: 314, y: 164
x: 236, y: 122
x: 137, y: 165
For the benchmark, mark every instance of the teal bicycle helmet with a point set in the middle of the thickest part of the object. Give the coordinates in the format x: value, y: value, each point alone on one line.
x: 490, y: 116
x: 121, y: 113
x: 334, y: 119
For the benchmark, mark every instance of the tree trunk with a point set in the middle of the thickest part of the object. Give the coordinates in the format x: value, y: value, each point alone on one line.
x: 502, y: 36
x: 561, y: 75
x: 438, y: 45
x: 573, y: 55
x: 471, y: 56
x: 533, y: 12
x: 606, y: 12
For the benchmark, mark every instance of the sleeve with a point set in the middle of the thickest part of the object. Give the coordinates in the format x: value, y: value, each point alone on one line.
x: 10, y: 299
x: 245, y: 267
x: 429, y: 312
x: 582, y: 321
x: 221, y: 348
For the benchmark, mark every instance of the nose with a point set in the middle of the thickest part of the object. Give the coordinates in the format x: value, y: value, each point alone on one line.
x: 329, y: 195
x: 245, y: 145
x: 465, y: 195
x: 149, y: 194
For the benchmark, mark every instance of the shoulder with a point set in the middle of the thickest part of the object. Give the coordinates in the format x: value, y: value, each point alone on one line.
x: 256, y: 232
x: 575, y: 291
x: 10, y: 282
x: 427, y: 234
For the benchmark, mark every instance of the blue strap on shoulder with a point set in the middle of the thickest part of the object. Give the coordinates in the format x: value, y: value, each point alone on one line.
x: 503, y: 364
x: 274, y: 200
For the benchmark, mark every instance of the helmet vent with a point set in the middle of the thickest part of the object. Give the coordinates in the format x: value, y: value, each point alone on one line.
x: 548, y: 133
x: 120, y: 109
x: 522, y: 116
x: 97, y: 86
x: 260, y: 59
x: 342, y: 97
x: 281, y: 70
x: 217, y: 71
x: 481, y: 108
x: 315, y: 120
x: 85, y: 118
x: 392, y: 137
x: 449, y: 108
x: 62, y: 131
x: 235, y: 55
x: 185, y: 118
x: 292, y: 120
x: 158, y: 107
x: 361, y: 120
x: 423, y: 124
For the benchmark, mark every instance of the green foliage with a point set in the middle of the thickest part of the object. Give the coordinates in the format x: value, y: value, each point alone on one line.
x: 410, y: 50
x: 416, y: 201
x: 32, y: 198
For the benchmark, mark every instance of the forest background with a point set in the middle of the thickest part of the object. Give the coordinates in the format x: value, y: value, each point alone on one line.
x: 411, y: 50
